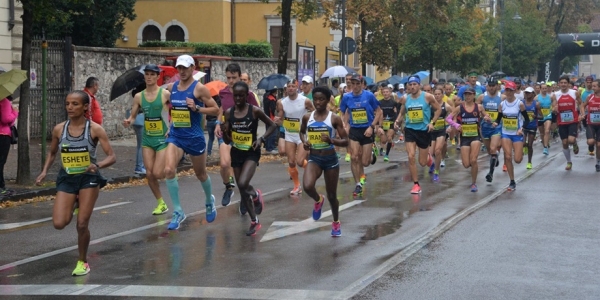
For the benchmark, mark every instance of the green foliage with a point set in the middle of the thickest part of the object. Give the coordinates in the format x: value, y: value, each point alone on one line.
x: 254, y: 49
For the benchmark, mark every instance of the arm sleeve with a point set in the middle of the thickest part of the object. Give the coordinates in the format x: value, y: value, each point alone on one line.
x: 526, y: 118
x: 499, y: 118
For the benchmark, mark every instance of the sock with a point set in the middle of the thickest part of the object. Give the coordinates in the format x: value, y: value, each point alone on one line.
x: 591, y: 148
x: 207, y: 187
x: 173, y: 187
x: 160, y: 200
x: 436, y: 172
x: 493, y: 160
x: 255, y: 219
x: 294, y: 173
x: 387, y: 148
x: 417, y: 183
x: 567, y: 154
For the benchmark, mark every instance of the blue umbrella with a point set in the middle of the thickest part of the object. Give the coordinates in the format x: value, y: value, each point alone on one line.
x: 369, y: 80
x: 422, y: 74
x: 404, y: 79
x: 395, y: 79
x: 273, y: 82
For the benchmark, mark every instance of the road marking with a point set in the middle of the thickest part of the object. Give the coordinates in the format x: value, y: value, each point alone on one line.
x: 282, y: 229
x: 23, y: 224
x: 163, y: 291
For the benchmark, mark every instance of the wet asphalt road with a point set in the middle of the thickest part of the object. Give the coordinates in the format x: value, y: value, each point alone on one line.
x: 292, y: 257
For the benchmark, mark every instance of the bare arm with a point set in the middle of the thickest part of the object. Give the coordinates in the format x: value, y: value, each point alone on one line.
x: 342, y: 140
x: 280, y: 113
x: 302, y: 132
x: 102, y: 138
x: 135, y: 107
x: 210, y: 106
x: 260, y: 114
x: 309, y: 105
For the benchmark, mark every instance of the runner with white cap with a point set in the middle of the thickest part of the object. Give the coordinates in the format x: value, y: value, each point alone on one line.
x: 306, y: 87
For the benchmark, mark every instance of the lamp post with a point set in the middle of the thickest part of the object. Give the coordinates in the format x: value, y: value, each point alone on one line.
x: 516, y: 17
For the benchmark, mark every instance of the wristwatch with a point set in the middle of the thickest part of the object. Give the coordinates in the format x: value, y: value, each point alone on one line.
x: 198, y: 108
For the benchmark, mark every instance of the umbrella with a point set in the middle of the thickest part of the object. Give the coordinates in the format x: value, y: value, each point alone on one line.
x: 10, y: 81
x: 396, y: 79
x: 197, y: 75
x: 166, y: 71
x: 422, y: 74
x: 369, y: 80
x: 456, y: 80
x: 498, y: 75
x: 273, y: 81
x: 215, y: 86
x: 338, y: 71
x: 127, y: 81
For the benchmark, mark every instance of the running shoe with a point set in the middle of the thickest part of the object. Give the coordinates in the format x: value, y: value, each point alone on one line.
x: 483, y: 148
x: 339, y: 155
x: 374, y: 154
x: 436, y: 178
x: 211, y: 210
x: 160, y: 209
x: 489, y: 177
x: 363, y: 179
x: 178, y: 218
x: 569, y: 166
x: 525, y: 150
x: 347, y: 157
x: 140, y: 171
x: 254, y: 228
x: 529, y: 166
x: 380, y: 151
x: 597, y: 168
x: 443, y: 163
x: 429, y: 160
x: 512, y: 186
x: 336, y: 229
x: 546, y: 152
x: 504, y: 169
x: 473, y: 188
x: 259, y: 203
x: 453, y: 142
x: 575, y: 149
x: 416, y: 189
x: 432, y: 168
x: 386, y: 158
x: 243, y: 210
x: 76, y: 206
x: 229, y: 192
x: 591, y: 153
x: 357, y: 190
x: 81, y: 269
x: 296, y: 191
x: 317, y: 210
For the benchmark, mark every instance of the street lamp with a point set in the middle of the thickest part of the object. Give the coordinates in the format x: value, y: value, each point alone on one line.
x: 516, y: 17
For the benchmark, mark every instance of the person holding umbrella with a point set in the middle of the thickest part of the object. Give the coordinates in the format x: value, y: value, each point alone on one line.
x: 8, y: 115
x: 153, y: 101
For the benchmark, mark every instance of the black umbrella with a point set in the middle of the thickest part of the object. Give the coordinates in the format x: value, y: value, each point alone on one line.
x: 498, y: 75
x: 273, y: 82
x: 127, y: 81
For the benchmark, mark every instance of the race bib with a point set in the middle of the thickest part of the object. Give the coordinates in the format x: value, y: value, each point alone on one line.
x: 595, y: 117
x: 291, y: 125
x: 470, y: 130
x: 415, y: 114
x: 493, y: 115
x: 75, y: 160
x: 386, y: 124
x: 314, y: 137
x: 545, y: 112
x: 566, y: 116
x: 439, y: 124
x: 153, y: 126
x: 242, y: 141
x: 181, y: 117
x: 510, y: 123
x: 359, y: 116
x: 531, y: 115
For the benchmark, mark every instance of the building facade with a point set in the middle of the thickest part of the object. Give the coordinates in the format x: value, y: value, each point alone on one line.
x: 11, y: 33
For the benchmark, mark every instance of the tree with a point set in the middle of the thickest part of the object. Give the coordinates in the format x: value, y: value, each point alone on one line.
x: 98, y: 25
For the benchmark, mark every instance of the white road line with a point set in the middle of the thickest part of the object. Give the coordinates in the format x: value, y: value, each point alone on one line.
x: 23, y: 224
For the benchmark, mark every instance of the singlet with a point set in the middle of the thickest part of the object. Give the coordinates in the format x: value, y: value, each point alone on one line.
x: 440, y: 123
x: 491, y: 105
x: 586, y: 94
x: 469, y: 121
x: 186, y: 123
x: 418, y: 112
x: 546, y: 106
x: 77, y: 153
x: 567, y: 107
x: 511, y: 117
x: 532, y: 113
x: 293, y: 111
x: 243, y: 130
x: 315, y: 129
x: 389, y: 115
x: 593, y: 108
x: 154, y: 125
x: 520, y: 95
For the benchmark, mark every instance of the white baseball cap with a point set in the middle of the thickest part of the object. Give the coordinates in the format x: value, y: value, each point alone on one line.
x: 401, y: 86
x: 307, y: 78
x: 529, y: 90
x: 342, y: 85
x: 390, y: 86
x: 185, y: 61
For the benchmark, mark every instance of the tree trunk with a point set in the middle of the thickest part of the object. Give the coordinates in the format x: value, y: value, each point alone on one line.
x: 23, y: 166
x: 286, y: 16
x: 363, y: 40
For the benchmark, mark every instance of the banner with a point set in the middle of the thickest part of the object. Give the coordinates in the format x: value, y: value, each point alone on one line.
x: 332, y: 58
x: 306, y: 62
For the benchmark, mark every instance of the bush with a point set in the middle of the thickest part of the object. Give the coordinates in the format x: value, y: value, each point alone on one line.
x: 256, y: 49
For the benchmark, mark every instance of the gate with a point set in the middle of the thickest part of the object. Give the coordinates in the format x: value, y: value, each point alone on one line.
x: 58, y: 82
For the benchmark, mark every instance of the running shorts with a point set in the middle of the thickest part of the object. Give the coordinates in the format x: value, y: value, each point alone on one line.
x: 192, y: 146
x: 358, y: 135
x: 513, y: 137
x: 564, y: 131
x: 421, y: 137
x: 239, y: 157
x: 436, y: 134
x: 293, y: 138
x: 154, y: 143
x: 72, y: 184
x: 466, y: 141
x: 325, y: 162
x: 593, y: 132
x: 487, y: 133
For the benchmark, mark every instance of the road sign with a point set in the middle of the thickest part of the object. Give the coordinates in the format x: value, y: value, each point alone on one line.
x: 347, y: 45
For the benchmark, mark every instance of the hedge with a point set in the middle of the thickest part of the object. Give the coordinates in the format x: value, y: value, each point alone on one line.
x: 252, y: 49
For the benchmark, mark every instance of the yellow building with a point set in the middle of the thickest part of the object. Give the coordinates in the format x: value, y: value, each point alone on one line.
x: 212, y: 21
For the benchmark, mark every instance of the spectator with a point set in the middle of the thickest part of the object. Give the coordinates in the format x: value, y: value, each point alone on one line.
x: 92, y: 85
x: 270, y: 107
x: 7, y: 118
x: 307, y: 87
x: 138, y: 128
x: 335, y: 84
x: 246, y: 78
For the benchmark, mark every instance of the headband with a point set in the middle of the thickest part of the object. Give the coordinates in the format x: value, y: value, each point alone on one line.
x: 412, y: 79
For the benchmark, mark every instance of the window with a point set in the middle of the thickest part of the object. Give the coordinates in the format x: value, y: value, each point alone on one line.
x: 151, y: 33
x: 276, y: 38
x: 175, y: 33
x: 585, y: 58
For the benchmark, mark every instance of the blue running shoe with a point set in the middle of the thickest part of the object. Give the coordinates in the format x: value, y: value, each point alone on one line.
x: 336, y: 229
x: 432, y: 168
x: 211, y: 211
x: 546, y: 152
x: 178, y: 218
x: 473, y: 188
x: 436, y: 178
x: 317, y: 209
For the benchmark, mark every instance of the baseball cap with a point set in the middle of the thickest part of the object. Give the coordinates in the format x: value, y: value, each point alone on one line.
x: 509, y: 85
x: 343, y: 85
x: 517, y: 81
x: 469, y: 90
x: 152, y: 67
x: 391, y: 87
x: 492, y: 82
x: 185, y: 61
x: 307, y: 78
x: 401, y: 86
x: 356, y: 77
x: 529, y: 90
x: 590, y: 78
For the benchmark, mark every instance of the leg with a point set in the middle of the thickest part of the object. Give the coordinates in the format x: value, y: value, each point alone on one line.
x: 4, y: 149
x: 465, y: 156
x: 311, y: 174
x: 411, y: 149
x: 225, y: 159
x: 87, y: 200
x: 507, y: 147
x: 423, y: 156
x: 366, y: 156
x: 62, y: 211
x: 356, y: 164
x: 439, y: 144
x: 473, y: 155
x: 154, y: 171
x: 210, y: 127
x: 172, y: 156
x: 390, y: 141
x: 301, y: 155
x: 530, y: 139
x: 331, y: 181
x: 246, y: 172
x: 199, y: 165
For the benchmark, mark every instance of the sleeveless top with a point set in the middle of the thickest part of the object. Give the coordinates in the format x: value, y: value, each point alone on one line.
x: 315, y: 129
x: 491, y: 105
x: 585, y: 95
x: 511, y: 117
x: 593, y: 108
x: 154, y: 125
x: 186, y: 123
x: 418, y: 112
x: 567, y: 107
x: 532, y: 113
x: 546, y: 106
x: 243, y: 130
x: 293, y: 111
x: 440, y: 123
x: 76, y: 153
x: 389, y: 115
x: 469, y: 121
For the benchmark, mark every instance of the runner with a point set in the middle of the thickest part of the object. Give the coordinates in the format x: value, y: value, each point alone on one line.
x: 533, y: 109
x: 519, y: 93
x: 189, y: 100
x: 466, y: 119
x: 155, y: 131
x: 545, y: 101
x: 564, y: 104
x: 321, y: 126
x: 454, y: 101
x: 307, y: 87
x: 439, y: 136
x: 362, y: 115
x: 585, y: 95
x: 240, y: 126
x: 290, y: 112
x: 491, y: 135
x: 472, y: 83
x: 79, y: 177
x: 592, y: 108
x: 233, y: 72
x: 390, y: 109
x: 419, y: 123
x: 512, y: 129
